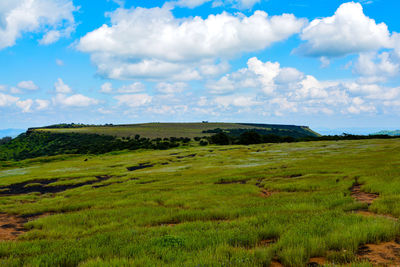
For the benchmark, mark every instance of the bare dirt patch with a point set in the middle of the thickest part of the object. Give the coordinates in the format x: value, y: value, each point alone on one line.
x: 267, y: 242
x: 264, y: 192
x: 316, y: 262
x: 12, y: 226
x: 275, y: 264
x: 372, y: 214
x: 361, y: 196
x: 383, y: 254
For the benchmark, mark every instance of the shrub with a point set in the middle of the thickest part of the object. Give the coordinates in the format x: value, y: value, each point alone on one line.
x: 220, y: 139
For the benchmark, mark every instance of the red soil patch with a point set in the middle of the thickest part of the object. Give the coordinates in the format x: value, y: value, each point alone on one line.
x: 267, y: 242
x: 275, y: 264
x: 11, y: 226
x: 318, y: 261
x: 383, y: 254
x: 361, y: 196
x: 372, y: 214
x: 265, y: 193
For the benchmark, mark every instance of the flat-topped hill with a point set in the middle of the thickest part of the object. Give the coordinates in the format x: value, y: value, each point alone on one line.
x: 166, y: 130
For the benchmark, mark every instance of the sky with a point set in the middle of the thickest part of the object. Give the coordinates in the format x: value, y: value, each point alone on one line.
x: 329, y: 64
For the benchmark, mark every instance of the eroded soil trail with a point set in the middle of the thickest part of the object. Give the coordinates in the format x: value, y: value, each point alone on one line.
x: 383, y: 254
x: 361, y: 196
x: 12, y: 226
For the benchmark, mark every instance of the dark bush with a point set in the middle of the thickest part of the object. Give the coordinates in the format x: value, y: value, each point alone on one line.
x: 203, y: 143
x: 220, y: 139
x: 250, y: 137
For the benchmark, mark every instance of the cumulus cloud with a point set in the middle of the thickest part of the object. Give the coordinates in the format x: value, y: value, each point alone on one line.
x: 53, y: 17
x: 348, y: 31
x: 240, y: 4
x: 281, y: 90
x: 171, y: 88
x: 7, y: 100
x: 42, y: 104
x: 25, y: 105
x: 236, y: 101
x: 152, y: 43
x: 190, y: 3
x: 27, y: 85
x: 373, y: 67
x: 135, y: 87
x: 358, y: 105
x: 61, y: 87
x: 134, y: 100
x: 76, y: 100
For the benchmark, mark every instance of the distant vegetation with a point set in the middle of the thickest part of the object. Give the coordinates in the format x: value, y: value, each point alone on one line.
x: 190, y: 130
x: 37, y: 144
x: 391, y: 133
x: 5, y: 140
x: 254, y: 137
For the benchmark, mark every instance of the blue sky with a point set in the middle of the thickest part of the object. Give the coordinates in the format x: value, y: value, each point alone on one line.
x: 327, y: 64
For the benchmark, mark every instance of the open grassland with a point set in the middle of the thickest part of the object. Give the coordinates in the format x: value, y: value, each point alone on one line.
x: 166, y: 130
x: 204, y: 206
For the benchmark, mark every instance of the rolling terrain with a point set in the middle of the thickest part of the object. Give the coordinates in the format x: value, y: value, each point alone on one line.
x: 191, y: 130
x: 291, y: 204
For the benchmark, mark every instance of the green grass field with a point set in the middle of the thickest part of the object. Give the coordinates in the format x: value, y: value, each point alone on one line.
x: 161, y: 130
x: 204, y: 206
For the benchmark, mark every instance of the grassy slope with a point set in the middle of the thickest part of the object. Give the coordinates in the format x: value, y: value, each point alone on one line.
x: 178, y: 214
x: 155, y: 130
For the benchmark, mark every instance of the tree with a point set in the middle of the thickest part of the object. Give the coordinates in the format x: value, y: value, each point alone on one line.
x: 249, y: 137
x: 220, y: 139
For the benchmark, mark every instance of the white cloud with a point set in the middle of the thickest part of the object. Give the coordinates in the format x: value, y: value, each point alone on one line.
x: 358, y: 105
x: 287, y: 90
x: 25, y: 105
x: 61, y: 87
x: 27, y: 85
x: 104, y: 111
x: 134, y: 100
x: 267, y: 72
x: 7, y: 100
x: 283, y: 105
x: 42, y: 104
x: 240, y: 4
x: 53, y: 17
x: 375, y: 67
x: 171, y: 88
x: 135, y: 87
x: 223, y: 85
x: 152, y: 43
x: 245, y: 4
x: 15, y: 90
x: 190, y: 3
x: 236, y: 101
x: 76, y: 100
x: 348, y: 31
x: 106, y: 88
